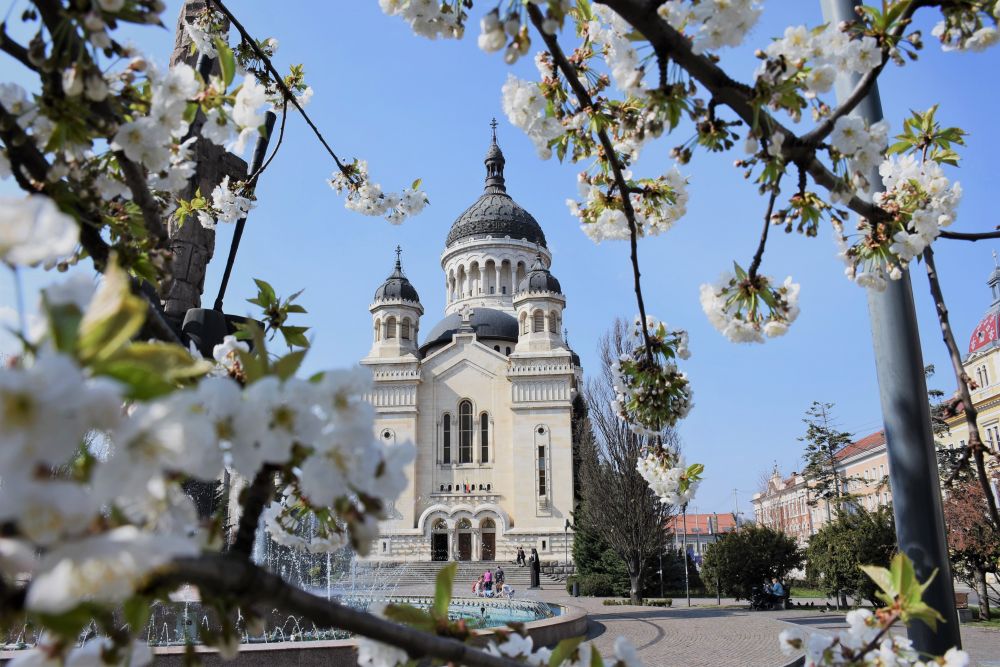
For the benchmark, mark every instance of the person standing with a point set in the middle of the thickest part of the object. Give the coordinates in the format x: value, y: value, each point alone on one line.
x: 520, y: 557
x: 536, y: 567
x: 499, y: 578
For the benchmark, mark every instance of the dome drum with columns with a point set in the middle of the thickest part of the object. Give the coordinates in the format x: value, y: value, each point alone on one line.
x: 486, y: 396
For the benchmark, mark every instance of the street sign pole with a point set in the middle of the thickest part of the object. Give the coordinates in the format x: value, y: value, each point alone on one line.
x: 913, y: 473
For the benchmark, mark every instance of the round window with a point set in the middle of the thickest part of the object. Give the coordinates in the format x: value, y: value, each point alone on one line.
x: 541, y: 430
x: 387, y: 434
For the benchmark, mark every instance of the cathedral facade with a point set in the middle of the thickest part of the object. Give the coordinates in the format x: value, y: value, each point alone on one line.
x: 486, y: 396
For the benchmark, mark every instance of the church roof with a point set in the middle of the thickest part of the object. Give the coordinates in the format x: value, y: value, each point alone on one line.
x: 538, y: 279
x: 495, y: 213
x: 397, y: 286
x: 986, y: 335
x: 486, y: 322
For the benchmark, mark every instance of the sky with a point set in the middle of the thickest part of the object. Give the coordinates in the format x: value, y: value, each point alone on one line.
x: 416, y: 108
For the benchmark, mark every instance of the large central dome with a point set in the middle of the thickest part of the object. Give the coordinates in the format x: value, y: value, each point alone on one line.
x: 495, y: 213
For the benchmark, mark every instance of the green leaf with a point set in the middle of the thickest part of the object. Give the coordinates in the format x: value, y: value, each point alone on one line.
x: 595, y: 657
x: 563, y: 650
x: 227, y: 63
x: 410, y: 615
x: 286, y: 366
x: 416, y: 184
x: 136, y: 612
x: 266, y: 293
x: 114, y: 316
x: 295, y: 336
x: 740, y: 273
x: 442, y: 590
x: 295, y: 308
x: 151, y: 369
x: 64, y: 325
x: 586, y: 13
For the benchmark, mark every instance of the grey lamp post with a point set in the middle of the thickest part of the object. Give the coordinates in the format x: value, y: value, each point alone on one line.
x: 913, y: 472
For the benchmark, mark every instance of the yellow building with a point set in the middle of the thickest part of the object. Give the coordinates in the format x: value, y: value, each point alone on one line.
x: 784, y: 503
x: 982, y: 364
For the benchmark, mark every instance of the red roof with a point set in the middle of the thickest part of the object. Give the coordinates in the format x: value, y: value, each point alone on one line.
x: 865, y: 444
x: 699, y: 523
x: 985, y: 333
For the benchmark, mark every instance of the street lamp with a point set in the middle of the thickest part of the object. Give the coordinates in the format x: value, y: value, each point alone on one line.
x: 687, y: 587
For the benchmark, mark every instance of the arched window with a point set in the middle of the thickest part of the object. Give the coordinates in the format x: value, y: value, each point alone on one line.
x: 465, y: 432
x: 524, y: 323
x: 542, y: 486
x: 508, y: 351
x: 539, y: 323
x: 484, y: 438
x: 405, y: 335
x: 554, y: 322
x: 378, y: 329
x: 496, y: 347
x: 446, y: 446
x: 390, y: 328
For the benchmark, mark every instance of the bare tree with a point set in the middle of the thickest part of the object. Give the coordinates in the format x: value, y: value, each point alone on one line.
x: 617, y: 503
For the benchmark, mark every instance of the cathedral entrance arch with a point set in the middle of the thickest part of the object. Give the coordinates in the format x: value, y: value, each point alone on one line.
x: 488, y: 533
x: 439, y: 540
x: 464, y: 530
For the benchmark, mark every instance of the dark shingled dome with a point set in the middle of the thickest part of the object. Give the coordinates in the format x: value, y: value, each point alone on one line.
x: 539, y: 279
x: 397, y: 286
x: 495, y: 213
x: 486, y: 322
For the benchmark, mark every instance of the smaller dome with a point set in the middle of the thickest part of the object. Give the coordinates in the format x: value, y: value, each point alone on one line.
x: 397, y: 286
x: 486, y: 322
x: 539, y: 279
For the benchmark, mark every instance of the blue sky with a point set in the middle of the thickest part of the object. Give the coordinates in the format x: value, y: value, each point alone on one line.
x: 416, y: 108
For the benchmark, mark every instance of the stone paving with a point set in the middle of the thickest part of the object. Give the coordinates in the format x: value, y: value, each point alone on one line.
x: 727, y: 636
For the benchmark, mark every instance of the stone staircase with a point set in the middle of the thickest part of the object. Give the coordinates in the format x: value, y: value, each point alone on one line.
x: 424, y: 574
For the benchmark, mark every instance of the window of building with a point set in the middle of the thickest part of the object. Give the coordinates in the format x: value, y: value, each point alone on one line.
x: 508, y: 351
x: 496, y: 347
x: 986, y: 377
x: 378, y: 330
x: 465, y: 430
x: 554, y: 322
x: 405, y: 335
x: 390, y: 327
x: 542, y: 487
x: 446, y: 446
x: 524, y: 323
x: 484, y: 438
x: 539, y: 323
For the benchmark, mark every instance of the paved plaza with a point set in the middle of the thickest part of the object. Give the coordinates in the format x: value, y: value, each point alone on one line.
x: 726, y: 636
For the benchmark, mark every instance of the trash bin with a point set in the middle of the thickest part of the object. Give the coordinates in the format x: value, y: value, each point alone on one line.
x: 576, y: 589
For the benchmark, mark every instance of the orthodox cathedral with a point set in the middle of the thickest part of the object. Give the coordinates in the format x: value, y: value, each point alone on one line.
x: 486, y: 396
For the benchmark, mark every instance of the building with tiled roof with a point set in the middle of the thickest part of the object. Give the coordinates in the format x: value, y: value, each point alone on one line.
x: 697, y: 531
x: 864, y: 464
x: 982, y: 365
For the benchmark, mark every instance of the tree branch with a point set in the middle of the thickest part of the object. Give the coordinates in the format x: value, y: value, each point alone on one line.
x: 962, y: 379
x: 609, y: 150
x: 864, y: 85
x: 232, y: 576
x: 143, y: 198
x: 667, y: 42
x: 278, y: 80
x: 258, y: 494
x: 15, y: 50
x: 759, y: 255
x: 970, y: 236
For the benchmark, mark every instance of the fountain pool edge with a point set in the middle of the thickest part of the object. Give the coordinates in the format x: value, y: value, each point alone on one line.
x: 569, y: 622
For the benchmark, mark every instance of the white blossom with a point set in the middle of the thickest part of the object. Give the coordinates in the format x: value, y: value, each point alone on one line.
x: 711, y: 24
x: 34, y: 231
x: 104, y: 568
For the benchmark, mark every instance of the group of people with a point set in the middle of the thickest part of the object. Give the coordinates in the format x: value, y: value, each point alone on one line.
x: 492, y: 584
x: 520, y: 556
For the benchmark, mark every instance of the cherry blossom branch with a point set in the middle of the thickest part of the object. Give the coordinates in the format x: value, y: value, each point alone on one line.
x: 583, y: 96
x: 258, y: 494
x: 961, y: 377
x: 815, y: 136
x: 248, y: 583
x: 143, y: 198
x: 278, y: 80
x: 970, y: 236
x: 13, y: 49
x: 668, y: 43
x: 759, y: 255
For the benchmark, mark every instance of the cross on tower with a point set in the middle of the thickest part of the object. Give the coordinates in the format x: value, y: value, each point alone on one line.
x: 493, y: 124
x: 467, y: 314
x: 399, y: 251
